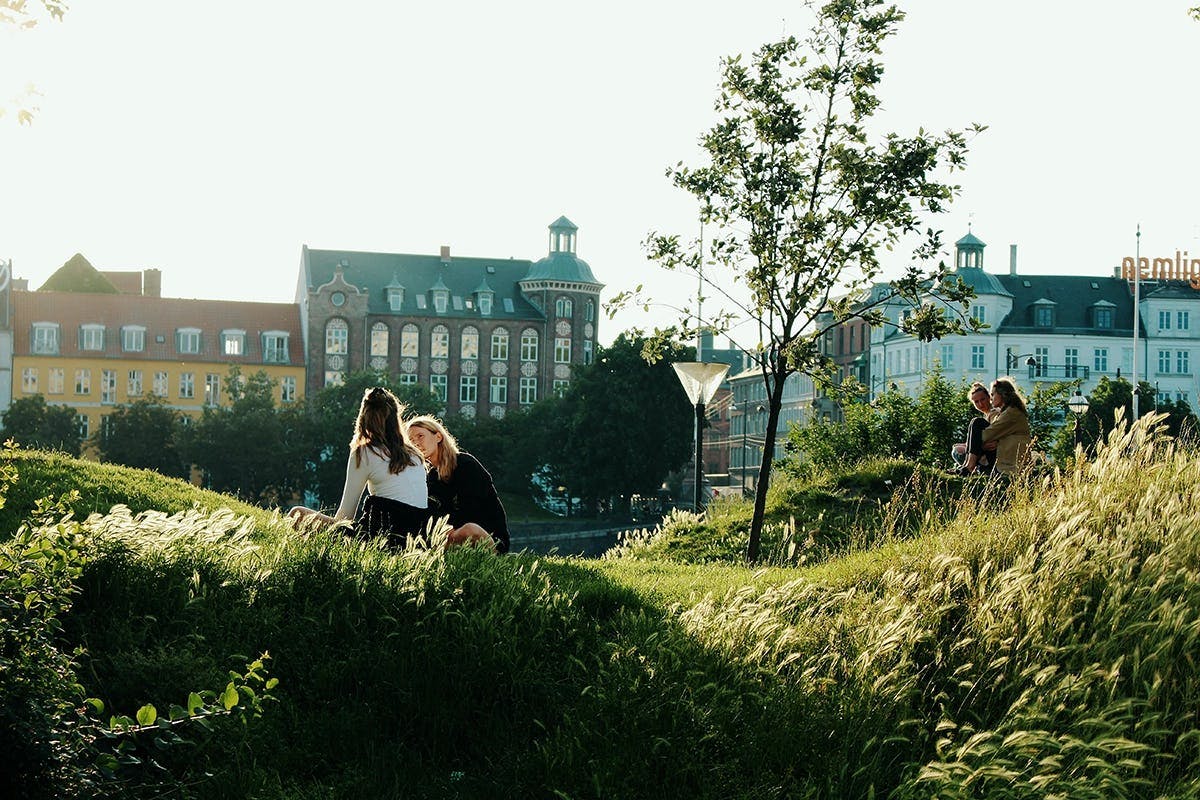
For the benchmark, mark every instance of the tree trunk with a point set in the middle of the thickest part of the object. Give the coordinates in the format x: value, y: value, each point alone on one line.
x: 774, y: 405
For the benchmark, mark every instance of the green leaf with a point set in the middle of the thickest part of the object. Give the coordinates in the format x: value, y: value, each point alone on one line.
x: 229, y: 698
x: 96, y: 704
x: 147, y: 714
x: 272, y: 683
x: 195, y: 703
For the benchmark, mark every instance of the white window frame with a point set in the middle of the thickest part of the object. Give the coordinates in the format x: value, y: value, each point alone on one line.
x: 275, y: 347
x: 108, y: 386
x: 337, y: 337
x: 439, y: 385
x: 187, y: 341
x: 498, y: 390
x: 562, y: 350
x: 500, y: 344
x: 187, y: 386
x: 45, y: 339
x: 468, y: 389
x: 1100, y: 359
x: 410, y: 341
x: 439, y: 342
x: 212, y: 389
x: 56, y: 380
x: 134, y: 384
x: 234, y: 340
x: 380, y: 336
x: 978, y: 356
x: 133, y: 339
x: 287, y: 389
x: 91, y: 337
x: 527, y: 393
x: 162, y: 383
x: 441, y: 300
x: 529, y: 345
x: 469, y: 344
x: 29, y: 380
x: 83, y: 381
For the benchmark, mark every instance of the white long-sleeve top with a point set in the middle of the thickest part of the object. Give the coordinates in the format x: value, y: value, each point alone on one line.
x: 407, y: 486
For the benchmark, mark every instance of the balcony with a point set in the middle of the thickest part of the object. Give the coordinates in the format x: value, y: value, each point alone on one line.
x: 1056, y: 372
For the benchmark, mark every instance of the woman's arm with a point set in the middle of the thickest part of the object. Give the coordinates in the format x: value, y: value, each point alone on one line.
x: 1010, y: 421
x: 356, y: 481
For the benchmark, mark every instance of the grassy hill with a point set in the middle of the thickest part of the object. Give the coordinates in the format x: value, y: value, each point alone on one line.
x: 1035, y: 643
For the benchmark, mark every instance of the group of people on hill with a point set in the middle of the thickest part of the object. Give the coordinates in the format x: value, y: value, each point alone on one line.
x: 999, y: 440
x: 414, y: 473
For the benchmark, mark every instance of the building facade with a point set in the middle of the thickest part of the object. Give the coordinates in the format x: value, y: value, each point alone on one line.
x: 486, y: 335
x: 95, y: 351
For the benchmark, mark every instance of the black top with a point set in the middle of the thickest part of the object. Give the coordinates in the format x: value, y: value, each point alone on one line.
x: 469, y: 496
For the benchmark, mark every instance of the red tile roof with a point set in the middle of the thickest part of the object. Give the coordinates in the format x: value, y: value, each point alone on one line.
x: 161, y: 317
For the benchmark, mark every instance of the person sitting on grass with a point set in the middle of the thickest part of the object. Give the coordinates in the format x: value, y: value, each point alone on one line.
x: 973, y: 455
x: 389, y: 466
x: 1010, y: 429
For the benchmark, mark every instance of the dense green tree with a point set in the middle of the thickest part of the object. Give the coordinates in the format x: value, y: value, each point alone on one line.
x: 627, y: 423
x: 798, y: 204
x: 941, y: 415
x: 891, y: 425
x: 31, y: 422
x: 142, y: 434
x: 1113, y: 396
x: 513, y: 447
x: 328, y: 423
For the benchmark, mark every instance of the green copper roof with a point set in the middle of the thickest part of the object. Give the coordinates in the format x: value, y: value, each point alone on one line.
x: 483, y: 287
x: 562, y: 223
x: 970, y: 240
x: 561, y: 267
x: 982, y: 282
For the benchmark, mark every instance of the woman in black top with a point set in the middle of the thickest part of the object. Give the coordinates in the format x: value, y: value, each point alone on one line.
x: 459, y: 487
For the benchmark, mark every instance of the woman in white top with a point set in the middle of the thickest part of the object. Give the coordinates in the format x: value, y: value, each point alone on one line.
x: 386, y: 463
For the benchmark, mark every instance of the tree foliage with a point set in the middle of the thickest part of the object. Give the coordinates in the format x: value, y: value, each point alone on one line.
x: 22, y: 15
x: 143, y: 434
x: 31, y: 422
x: 1113, y: 397
x: 801, y: 202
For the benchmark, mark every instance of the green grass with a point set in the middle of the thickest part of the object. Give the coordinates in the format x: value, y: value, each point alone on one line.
x: 1039, y: 643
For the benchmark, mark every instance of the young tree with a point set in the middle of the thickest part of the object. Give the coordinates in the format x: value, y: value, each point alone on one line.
x: 942, y: 412
x: 31, y: 422
x: 800, y: 202
x: 142, y: 434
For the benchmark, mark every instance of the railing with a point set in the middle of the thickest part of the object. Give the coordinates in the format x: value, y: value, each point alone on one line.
x: 1058, y: 372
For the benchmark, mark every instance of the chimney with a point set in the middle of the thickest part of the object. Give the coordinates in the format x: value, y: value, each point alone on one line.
x: 152, y: 283
x: 445, y: 254
x: 1012, y: 259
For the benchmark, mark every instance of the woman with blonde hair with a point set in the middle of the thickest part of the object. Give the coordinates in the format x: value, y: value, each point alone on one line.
x: 1010, y: 429
x: 384, y: 461
x: 459, y: 487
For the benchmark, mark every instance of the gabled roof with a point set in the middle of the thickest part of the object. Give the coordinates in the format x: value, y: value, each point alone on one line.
x: 1074, y: 296
x: 78, y: 275
x: 420, y: 274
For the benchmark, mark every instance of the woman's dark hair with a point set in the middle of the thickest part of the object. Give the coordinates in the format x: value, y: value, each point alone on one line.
x: 1009, y: 394
x: 378, y: 427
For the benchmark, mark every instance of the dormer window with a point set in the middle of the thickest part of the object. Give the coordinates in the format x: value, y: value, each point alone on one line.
x: 91, y: 337
x: 1043, y: 317
x: 45, y: 338
x: 1103, y: 318
x: 485, y: 303
x: 133, y: 339
x: 187, y: 340
x: 395, y: 297
x: 441, y: 300
x: 979, y: 314
x: 233, y: 343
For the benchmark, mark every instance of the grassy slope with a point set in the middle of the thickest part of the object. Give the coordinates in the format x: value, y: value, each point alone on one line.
x: 991, y: 656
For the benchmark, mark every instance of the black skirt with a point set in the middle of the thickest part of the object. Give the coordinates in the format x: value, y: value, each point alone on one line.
x: 391, y: 518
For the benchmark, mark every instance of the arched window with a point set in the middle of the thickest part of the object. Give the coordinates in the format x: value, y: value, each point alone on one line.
x: 337, y: 337
x: 500, y: 344
x: 589, y: 311
x: 379, y: 339
x: 529, y: 345
x: 563, y: 307
x: 470, y: 343
x: 439, y: 342
x: 410, y: 341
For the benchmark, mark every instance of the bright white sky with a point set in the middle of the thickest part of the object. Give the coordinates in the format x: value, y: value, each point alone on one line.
x: 213, y: 141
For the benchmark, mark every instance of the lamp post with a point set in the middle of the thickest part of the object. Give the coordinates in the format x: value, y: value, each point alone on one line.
x: 1010, y: 360
x: 700, y: 381
x: 1078, y: 405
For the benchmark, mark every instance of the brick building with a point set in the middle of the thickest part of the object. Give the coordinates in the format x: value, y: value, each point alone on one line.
x: 487, y: 335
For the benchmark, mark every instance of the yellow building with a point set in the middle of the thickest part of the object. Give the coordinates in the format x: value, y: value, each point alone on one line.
x: 94, y: 351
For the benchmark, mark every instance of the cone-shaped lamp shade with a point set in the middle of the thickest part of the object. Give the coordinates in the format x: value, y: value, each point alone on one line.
x: 700, y: 380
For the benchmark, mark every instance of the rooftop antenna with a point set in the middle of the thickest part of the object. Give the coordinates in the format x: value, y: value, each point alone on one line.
x: 1137, y: 272
x: 700, y: 296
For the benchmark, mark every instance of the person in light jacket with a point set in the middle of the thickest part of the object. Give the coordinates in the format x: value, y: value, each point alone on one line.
x: 1010, y: 430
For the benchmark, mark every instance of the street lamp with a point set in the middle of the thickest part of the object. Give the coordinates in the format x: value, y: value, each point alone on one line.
x: 1012, y: 359
x: 700, y: 381
x: 1078, y: 405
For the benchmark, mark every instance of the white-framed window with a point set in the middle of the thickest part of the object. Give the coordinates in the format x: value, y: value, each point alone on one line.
x: 57, y: 381
x: 1164, y: 320
x: 91, y: 337
x: 500, y: 345
x: 947, y: 357
x: 560, y: 387
x: 83, y: 381
x: 1071, y: 362
x: 1100, y: 359
x: 469, y: 348
x: 441, y: 299
x: 439, y: 342
x: 421, y: 302
x: 468, y: 389
x: 587, y: 351
x: 133, y: 339
x: 160, y: 384
x: 410, y: 341
x: 275, y: 347
x: 979, y: 314
x: 212, y: 389
x: 134, y: 385
x: 187, y: 340
x: 1127, y: 360
x: 1183, y: 320
x: 408, y: 379
x: 233, y: 343
x: 1042, y: 356
x: 485, y: 303
x: 45, y: 338
x: 187, y: 385
x: 1043, y: 316
x: 562, y: 351
x: 83, y: 424
x: 1183, y: 362
x: 337, y: 337
x: 287, y: 389
x: 589, y: 311
x: 108, y: 386
x: 334, y: 377
x: 395, y: 295
x: 498, y: 389
x: 438, y: 385
x: 1104, y: 318
x: 977, y: 356
x: 564, y: 307
x: 529, y: 345
x: 29, y: 380
x: 1164, y: 361
x: 379, y: 340
x: 528, y: 391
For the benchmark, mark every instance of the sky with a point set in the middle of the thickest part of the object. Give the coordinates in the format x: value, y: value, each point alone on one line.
x: 212, y: 141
